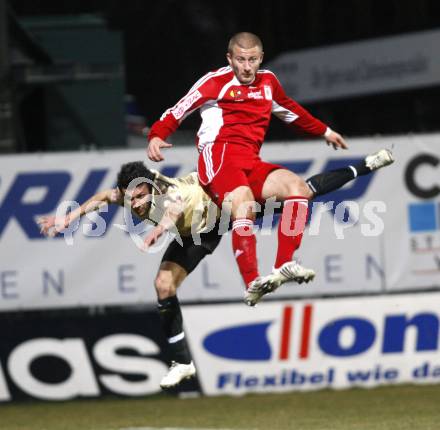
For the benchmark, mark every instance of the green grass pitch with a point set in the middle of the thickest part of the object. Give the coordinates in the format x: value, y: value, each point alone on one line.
x: 386, y: 408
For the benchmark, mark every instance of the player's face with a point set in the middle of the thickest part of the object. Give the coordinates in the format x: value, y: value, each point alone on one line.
x: 245, y: 63
x: 140, y: 199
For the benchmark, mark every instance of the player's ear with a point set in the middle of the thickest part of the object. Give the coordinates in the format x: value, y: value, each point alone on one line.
x: 229, y: 58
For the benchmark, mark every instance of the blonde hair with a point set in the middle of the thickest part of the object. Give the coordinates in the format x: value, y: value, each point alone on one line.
x: 245, y: 40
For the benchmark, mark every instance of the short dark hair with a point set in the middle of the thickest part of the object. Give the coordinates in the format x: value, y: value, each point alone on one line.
x: 245, y: 40
x: 131, y: 171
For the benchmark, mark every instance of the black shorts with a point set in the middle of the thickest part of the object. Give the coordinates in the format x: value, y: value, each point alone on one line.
x: 190, y: 255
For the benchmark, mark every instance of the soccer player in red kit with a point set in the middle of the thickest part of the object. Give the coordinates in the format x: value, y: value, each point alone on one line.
x: 236, y: 104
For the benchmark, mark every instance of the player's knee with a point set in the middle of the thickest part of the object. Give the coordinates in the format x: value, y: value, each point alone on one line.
x: 240, y: 195
x: 307, y: 192
x: 299, y: 188
x: 243, y: 204
x: 165, y: 285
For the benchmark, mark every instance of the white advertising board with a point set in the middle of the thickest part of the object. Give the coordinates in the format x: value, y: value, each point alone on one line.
x: 315, y: 344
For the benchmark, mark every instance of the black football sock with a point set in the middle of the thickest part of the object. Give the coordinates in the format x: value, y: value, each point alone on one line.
x: 362, y: 168
x: 326, y: 182
x: 172, y: 326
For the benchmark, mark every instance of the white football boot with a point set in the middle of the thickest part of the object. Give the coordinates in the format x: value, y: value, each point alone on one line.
x: 177, y: 373
x: 379, y: 159
x: 255, y: 291
x: 291, y: 271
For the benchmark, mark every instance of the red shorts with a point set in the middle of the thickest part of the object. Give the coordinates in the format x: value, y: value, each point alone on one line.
x: 222, y: 168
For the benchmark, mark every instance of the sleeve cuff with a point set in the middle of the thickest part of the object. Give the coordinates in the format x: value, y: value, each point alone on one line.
x: 327, y: 132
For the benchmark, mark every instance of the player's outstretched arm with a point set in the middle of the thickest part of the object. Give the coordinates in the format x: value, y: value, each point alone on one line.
x: 50, y: 225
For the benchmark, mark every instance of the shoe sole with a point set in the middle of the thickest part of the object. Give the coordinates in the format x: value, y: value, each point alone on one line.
x: 305, y: 279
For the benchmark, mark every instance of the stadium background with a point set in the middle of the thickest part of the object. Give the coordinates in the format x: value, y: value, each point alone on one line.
x: 80, y: 82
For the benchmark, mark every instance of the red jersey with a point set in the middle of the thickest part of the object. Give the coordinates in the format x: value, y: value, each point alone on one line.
x: 236, y: 113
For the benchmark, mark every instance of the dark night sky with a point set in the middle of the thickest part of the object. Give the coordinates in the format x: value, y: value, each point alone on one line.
x: 169, y: 44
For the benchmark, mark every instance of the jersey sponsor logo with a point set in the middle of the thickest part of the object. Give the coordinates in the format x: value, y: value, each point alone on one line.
x: 256, y: 95
x: 179, y: 110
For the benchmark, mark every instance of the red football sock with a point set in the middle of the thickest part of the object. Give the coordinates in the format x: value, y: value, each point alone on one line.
x: 244, y: 245
x: 291, y: 228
